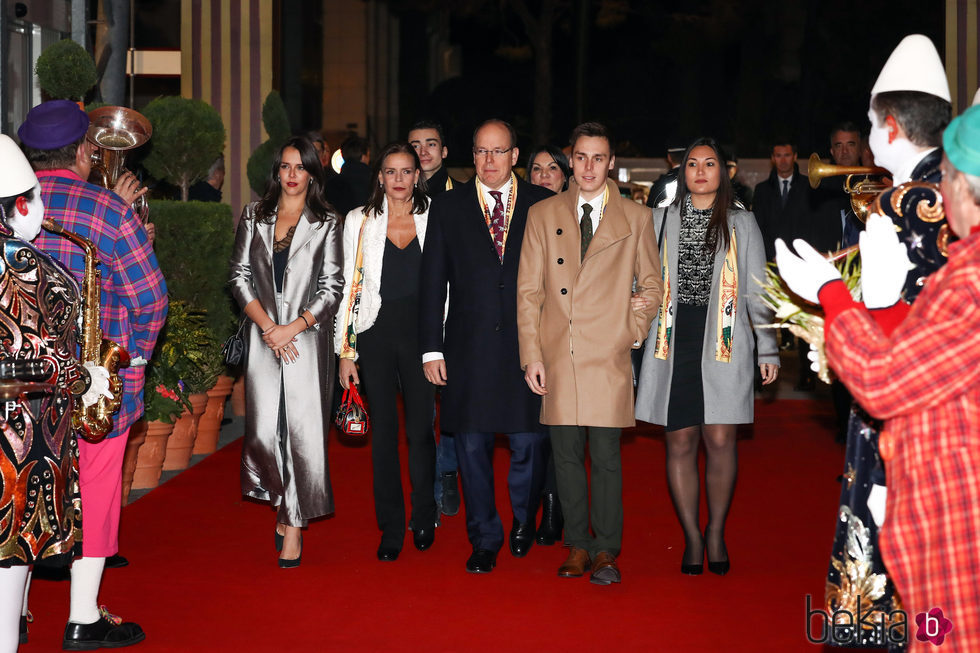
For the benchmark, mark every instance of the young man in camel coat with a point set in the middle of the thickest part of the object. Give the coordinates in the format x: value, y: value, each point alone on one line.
x: 583, y: 250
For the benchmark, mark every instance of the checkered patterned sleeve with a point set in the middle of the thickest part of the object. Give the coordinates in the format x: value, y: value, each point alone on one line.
x: 139, y: 284
x: 932, y: 356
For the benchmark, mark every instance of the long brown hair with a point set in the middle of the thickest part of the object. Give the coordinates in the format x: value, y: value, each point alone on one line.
x: 724, y: 198
x: 315, y: 201
x: 420, y: 201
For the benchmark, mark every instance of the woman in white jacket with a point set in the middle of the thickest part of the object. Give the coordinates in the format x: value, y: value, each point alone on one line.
x: 391, y: 229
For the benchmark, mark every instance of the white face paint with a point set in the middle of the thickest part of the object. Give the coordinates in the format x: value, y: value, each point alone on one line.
x: 890, y: 156
x: 27, y: 227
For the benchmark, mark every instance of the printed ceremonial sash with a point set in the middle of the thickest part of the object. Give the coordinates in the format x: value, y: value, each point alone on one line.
x: 727, y: 304
x: 348, y: 348
x: 508, y: 212
x: 449, y: 183
x: 727, y: 307
x: 666, y: 316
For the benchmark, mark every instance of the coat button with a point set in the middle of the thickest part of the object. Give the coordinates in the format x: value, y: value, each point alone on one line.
x: 558, y: 232
x: 501, y: 286
x: 497, y: 327
x: 564, y: 291
x: 560, y: 261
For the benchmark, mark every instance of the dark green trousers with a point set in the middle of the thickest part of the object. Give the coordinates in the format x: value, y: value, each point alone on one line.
x: 568, y: 445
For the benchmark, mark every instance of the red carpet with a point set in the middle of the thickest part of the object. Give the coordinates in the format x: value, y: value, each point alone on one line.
x: 203, y: 574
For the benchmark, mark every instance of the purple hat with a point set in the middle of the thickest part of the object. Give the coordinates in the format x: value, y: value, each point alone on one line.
x: 53, y: 124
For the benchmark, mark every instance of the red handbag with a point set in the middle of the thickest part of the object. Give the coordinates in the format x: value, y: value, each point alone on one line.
x: 352, y: 416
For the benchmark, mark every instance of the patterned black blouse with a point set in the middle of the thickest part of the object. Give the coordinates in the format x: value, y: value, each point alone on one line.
x: 695, y: 259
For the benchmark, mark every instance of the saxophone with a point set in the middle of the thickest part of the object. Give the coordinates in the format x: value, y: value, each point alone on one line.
x: 95, y: 422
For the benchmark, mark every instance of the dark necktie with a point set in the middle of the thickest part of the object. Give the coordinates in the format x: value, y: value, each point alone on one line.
x: 585, y: 226
x: 498, y: 223
x: 785, y: 192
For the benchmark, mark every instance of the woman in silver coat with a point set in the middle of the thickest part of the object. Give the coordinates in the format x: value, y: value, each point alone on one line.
x: 699, y: 363
x: 287, y: 275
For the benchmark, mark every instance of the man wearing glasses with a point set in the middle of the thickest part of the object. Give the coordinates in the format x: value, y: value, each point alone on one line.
x: 473, y: 244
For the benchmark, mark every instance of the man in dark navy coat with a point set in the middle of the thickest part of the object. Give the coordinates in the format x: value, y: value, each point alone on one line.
x: 473, y: 244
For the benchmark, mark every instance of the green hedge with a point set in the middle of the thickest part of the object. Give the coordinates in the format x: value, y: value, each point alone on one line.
x: 193, y: 245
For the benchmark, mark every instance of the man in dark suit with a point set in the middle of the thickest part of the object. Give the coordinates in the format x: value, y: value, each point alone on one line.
x: 781, y: 205
x: 430, y: 144
x: 351, y: 188
x: 427, y: 137
x: 473, y: 244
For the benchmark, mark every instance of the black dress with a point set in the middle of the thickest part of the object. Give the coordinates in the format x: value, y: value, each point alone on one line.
x: 695, y: 266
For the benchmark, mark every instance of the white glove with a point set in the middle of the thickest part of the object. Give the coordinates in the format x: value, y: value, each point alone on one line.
x: 98, y: 384
x: 876, y: 501
x: 814, y: 357
x: 807, y: 273
x: 884, y: 263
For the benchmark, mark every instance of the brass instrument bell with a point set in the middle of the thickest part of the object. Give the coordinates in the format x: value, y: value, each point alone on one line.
x: 114, y: 131
x: 859, y: 183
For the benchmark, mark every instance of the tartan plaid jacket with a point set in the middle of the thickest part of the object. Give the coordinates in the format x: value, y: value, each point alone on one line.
x: 134, y: 294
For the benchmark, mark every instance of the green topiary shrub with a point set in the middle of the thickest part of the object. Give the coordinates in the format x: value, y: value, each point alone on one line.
x: 188, y: 136
x: 193, y: 244
x: 277, y: 127
x: 66, y: 71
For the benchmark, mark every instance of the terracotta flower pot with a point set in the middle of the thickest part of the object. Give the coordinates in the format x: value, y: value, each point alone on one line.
x: 238, y: 397
x: 149, y: 458
x: 137, y: 435
x: 181, y: 442
x: 209, y: 428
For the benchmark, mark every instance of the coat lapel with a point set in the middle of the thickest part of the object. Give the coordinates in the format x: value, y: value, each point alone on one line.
x: 303, y: 234
x: 266, y: 232
x: 612, y: 227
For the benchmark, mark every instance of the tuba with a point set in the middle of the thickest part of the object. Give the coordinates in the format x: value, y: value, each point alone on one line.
x: 114, y: 131
x: 862, y: 191
x: 95, y: 422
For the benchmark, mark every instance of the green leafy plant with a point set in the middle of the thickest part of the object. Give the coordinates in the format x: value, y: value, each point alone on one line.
x: 66, y: 71
x: 183, y: 361
x: 188, y: 136
x: 276, y: 124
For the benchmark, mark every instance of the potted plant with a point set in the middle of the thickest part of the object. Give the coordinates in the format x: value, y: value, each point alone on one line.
x: 163, y: 400
x: 65, y: 71
x: 188, y: 136
x: 276, y: 123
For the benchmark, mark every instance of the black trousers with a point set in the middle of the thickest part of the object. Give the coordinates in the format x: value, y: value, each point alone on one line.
x: 389, y: 361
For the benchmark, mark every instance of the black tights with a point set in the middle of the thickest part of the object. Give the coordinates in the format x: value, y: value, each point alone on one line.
x: 683, y: 479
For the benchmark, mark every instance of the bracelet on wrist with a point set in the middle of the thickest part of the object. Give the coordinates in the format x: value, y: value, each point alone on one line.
x: 308, y: 325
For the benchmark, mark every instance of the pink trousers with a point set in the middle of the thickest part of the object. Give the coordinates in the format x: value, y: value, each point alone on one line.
x: 100, y: 477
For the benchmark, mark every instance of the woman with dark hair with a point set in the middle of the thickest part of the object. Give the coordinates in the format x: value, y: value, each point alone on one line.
x: 382, y: 336
x: 287, y: 275
x: 698, y: 370
x: 548, y: 166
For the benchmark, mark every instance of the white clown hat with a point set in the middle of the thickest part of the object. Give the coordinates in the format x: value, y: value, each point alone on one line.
x: 914, y: 66
x: 17, y: 177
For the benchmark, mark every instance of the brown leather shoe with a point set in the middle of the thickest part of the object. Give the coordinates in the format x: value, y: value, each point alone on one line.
x: 605, y: 570
x: 577, y: 564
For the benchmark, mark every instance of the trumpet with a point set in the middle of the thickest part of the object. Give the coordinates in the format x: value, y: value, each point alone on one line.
x: 863, y: 191
x: 114, y: 131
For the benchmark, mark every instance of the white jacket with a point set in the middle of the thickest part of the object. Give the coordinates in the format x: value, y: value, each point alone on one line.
x: 375, y: 235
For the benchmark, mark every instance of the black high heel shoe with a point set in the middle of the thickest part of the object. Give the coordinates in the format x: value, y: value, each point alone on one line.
x: 279, y: 539
x: 719, y: 567
x: 289, y: 563
x: 693, y: 569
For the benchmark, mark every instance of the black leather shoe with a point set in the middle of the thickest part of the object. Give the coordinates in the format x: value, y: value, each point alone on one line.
x: 552, y: 521
x: 450, y: 493
x: 521, y: 538
x: 424, y: 537
x: 116, y: 561
x: 482, y: 561
x: 388, y: 553
x: 290, y: 563
x: 108, y: 632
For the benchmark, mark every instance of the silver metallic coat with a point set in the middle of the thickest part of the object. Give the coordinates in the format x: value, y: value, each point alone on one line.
x: 313, y: 281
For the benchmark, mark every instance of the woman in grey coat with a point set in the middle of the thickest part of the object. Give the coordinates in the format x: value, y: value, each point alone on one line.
x: 287, y: 274
x: 698, y: 369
